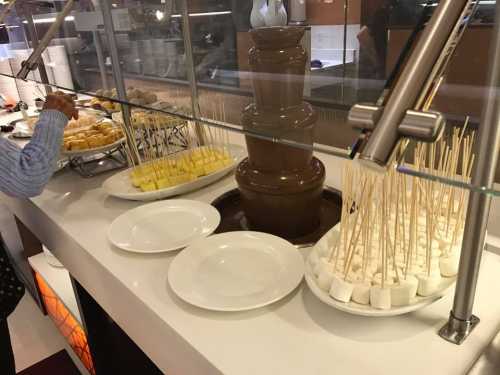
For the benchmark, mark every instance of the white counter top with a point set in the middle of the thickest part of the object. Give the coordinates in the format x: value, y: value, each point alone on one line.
x: 296, y: 336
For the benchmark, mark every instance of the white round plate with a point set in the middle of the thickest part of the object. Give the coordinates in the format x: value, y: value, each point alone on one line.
x: 236, y: 271
x: 366, y: 310
x: 163, y: 226
x: 120, y: 185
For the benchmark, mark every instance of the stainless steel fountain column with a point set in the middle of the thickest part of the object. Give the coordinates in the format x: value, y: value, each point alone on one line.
x: 462, y: 321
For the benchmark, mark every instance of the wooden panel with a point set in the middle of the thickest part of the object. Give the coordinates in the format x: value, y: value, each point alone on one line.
x: 463, y: 91
x: 397, y: 41
x: 331, y: 12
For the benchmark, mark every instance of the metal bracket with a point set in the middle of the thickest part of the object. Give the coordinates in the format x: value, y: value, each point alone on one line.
x: 364, y: 117
x: 420, y: 126
x: 456, y: 330
x: 32, y: 62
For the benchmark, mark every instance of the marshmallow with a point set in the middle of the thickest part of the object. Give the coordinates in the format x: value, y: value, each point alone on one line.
x: 380, y: 298
x: 325, y: 279
x: 322, y: 265
x: 428, y: 285
x: 449, y: 264
x: 361, y: 293
x: 357, y: 263
x: 324, y: 251
x: 404, y: 293
x: 341, y: 290
x: 313, y: 259
x: 377, y: 280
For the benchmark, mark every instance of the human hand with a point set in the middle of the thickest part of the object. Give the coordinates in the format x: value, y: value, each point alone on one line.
x: 61, y: 102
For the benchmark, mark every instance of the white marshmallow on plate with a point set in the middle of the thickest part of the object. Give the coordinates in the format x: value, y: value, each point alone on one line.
x: 449, y: 264
x: 323, y: 263
x: 361, y: 293
x: 377, y: 280
x: 324, y: 251
x: 380, y: 298
x: 332, y: 240
x: 445, y: 244
x: 357, y: 263
x: 313, y: 259
x: 354, y: 277
x: 325, y: 279
x: 428, y: 285
x: 341, y: 290
x: 402, y: 294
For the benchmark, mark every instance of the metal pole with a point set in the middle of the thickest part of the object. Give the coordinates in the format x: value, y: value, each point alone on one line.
x: 409, y: 86
x: 100, y: 59
x: 34, y: 40
x: 191, y: 72
x: 461, y: 321
x: 6, y: 10
x: 121, y: 91
x: 32, y: 61
x: 344, y: 56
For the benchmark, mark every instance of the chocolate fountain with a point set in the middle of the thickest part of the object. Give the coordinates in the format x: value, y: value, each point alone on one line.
x: 281, y: 186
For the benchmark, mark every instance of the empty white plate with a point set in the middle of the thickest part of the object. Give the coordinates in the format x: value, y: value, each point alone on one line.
x: 163, y: 226
x: 236, y: 271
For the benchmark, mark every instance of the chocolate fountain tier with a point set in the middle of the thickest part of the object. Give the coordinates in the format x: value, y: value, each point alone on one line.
x: 276, y: 122
x: 284, y: 182
x: 285, y: 204
x: 295, y: 124
x: 278, y: 62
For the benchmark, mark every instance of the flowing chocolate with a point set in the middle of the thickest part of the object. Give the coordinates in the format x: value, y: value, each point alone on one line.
x: 281, y: 186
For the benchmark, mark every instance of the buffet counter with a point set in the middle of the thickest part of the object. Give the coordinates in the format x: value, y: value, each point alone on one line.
x: 297, y: 335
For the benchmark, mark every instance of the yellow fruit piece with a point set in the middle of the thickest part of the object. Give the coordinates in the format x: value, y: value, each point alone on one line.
x: 163, y: 183
x: 148, y: 186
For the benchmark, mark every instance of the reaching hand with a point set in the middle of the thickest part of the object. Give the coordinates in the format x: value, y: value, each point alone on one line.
x: 63, y: 103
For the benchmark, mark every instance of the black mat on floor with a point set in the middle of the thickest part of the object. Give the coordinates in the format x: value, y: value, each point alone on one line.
x: 57, y: 364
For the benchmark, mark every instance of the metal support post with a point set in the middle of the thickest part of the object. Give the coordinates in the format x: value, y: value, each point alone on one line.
x: 100, y: 59
x: 34, y: 40
x: 461, y: 321
x: 117, y: 73
x: 6, y: 10
x: 191, y: 72
x: 32, y: 61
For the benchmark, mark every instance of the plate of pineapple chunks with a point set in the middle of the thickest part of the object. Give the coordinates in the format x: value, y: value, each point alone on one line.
x: 97, y: 137
x: 176, y: 174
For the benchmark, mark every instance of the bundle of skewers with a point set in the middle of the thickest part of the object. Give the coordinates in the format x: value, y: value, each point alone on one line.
x: 158, y: 163
x: 399, y: 236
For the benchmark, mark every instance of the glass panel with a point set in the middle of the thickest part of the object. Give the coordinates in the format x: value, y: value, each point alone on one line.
x: 461, y: 98
x: 353, y: 49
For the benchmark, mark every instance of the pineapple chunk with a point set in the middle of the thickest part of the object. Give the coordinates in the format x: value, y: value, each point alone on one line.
x: 148, y: 186
x: 163, y: 183
x: 187, y: 167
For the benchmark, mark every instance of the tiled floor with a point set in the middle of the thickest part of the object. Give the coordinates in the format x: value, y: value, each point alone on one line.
x: 34, y: 336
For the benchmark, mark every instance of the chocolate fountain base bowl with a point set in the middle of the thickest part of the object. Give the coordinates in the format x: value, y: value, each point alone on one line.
x: 230, y: 207
x: 283, y: 215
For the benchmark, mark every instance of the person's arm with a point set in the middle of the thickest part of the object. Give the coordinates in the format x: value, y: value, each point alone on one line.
x: 25, y: 172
